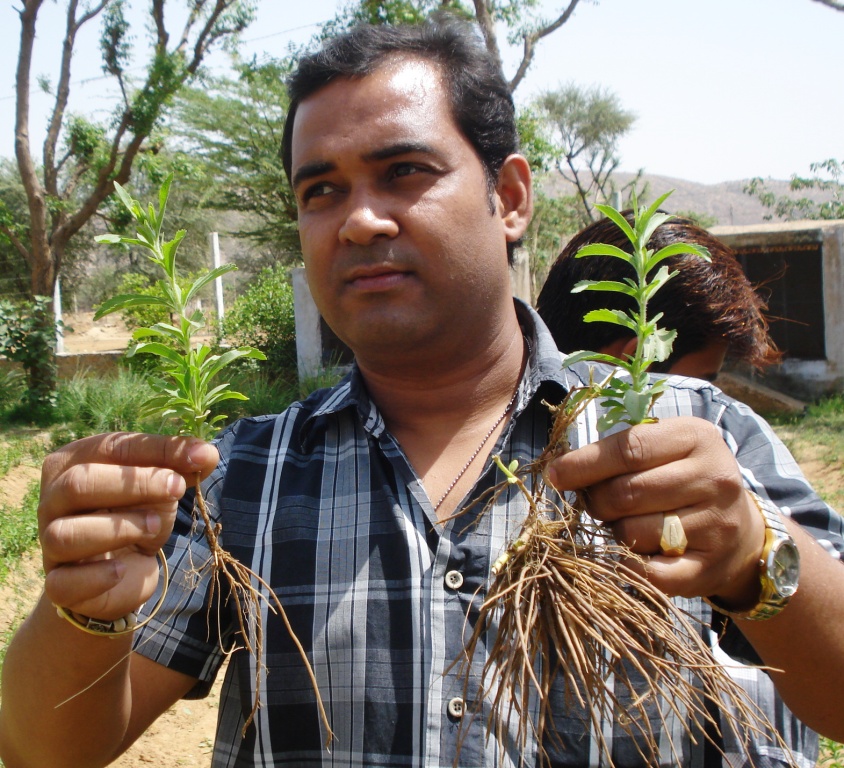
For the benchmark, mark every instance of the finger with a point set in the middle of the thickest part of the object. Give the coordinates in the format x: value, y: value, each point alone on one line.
x: 640, y: 533
x: 705, y: 482
x: 81, y: 537
x: 185, y: 455
x: 83, y: 487
x: 686, y: 576
x: 106, y: 589
x: 632, y: 450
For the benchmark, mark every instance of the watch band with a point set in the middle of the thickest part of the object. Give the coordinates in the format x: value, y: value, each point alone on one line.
x: 771, y: 601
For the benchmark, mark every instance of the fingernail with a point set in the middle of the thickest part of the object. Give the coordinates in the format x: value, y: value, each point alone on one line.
x: 197, y: 455
x: 119, y: 569
x: 176, y: 486
x: 153, y: 523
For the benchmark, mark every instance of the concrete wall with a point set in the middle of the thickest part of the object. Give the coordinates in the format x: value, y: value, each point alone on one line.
x: 807, y: 379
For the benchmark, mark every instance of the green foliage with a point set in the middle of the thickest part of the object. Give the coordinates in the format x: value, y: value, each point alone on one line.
x: 630, y: 401
x: 28, y: 336
x: 233, y: 128
x: 263, y: 318
x: 18, y: 529
x: 584, y: 125
x: 831, y: 753
x: 184, y: 390
x: 89, y: 405
x: 827, y: 201
x: 703, y: 220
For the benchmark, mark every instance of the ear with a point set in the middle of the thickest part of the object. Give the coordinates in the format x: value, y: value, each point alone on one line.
x: 515, y: 196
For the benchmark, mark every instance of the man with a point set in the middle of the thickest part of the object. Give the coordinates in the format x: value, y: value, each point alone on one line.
x: 401, y: 148
x: 713, y: 307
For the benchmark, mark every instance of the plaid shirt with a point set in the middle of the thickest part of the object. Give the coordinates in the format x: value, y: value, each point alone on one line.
x: 322, y: 503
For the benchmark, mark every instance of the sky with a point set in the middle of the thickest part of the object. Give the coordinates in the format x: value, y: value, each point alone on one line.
x: 721, y: 89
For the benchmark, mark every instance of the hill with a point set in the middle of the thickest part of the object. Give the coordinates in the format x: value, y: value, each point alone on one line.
x: 726, y: 201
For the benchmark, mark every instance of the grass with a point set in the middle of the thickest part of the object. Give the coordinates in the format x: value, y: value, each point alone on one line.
x: 818, y: 436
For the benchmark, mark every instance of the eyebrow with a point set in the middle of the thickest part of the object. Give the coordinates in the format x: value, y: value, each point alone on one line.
x: 320, y: 167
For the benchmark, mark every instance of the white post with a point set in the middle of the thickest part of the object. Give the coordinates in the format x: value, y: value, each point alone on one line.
x: 57, y: 312
x: 218, y: 282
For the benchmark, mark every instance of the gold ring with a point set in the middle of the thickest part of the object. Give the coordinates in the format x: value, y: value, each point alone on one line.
x: 673, y: 542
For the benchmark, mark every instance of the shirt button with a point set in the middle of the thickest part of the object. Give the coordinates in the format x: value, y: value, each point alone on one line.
x: 454, y: 579
x: 455, y: 707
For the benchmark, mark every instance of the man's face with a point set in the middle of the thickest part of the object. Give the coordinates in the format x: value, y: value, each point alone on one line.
x: 400, y: 245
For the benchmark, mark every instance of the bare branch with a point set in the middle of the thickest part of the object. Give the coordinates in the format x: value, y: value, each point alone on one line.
x: 836, y: 4
x: 487, y: 25
x: 161, y: 35
x: 63, y: 91
x: 531, y: 39
x: 17, y: 243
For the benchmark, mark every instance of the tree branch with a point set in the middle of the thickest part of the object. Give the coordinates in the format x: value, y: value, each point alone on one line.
x: 532, y: 38
x: 487, y: 25
x: 17, y: 243
x: 836, y: 4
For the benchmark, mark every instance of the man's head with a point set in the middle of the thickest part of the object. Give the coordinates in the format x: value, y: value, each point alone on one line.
x: 405, y: 236
x: 479, y: 96
x: 711, y: 304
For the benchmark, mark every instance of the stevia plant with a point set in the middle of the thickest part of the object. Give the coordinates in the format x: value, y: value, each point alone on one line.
x: 186, y: 389
x: 564, y: 607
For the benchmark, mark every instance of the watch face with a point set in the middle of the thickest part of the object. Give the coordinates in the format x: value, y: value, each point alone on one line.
x: 784, y: 568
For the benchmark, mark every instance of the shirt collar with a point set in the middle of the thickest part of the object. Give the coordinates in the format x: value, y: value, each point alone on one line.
x: 544, y: 370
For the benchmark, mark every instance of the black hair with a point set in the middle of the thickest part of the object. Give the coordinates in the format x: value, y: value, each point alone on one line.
x: 480, y: 97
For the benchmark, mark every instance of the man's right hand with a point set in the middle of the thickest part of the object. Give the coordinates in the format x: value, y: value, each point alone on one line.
x: 108, y: 503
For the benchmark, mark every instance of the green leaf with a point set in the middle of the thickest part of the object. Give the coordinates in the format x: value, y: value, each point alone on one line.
x: 127, y: 300
x: 160, y: 350
x: 620, y: 221
x: 676, y: 249
x: 614, y: 316
x: 128, y: 201
x: 583, y: 354
x: 603, y: 249
x: 110, y: 239
x: 605, y: 285
x: 658, y: 345
x: 201, y: 282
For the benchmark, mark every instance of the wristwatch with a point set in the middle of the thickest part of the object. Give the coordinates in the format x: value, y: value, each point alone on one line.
x: 779, y: 567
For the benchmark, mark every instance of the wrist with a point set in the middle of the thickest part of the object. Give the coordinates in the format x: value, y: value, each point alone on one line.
x: 777, y: 569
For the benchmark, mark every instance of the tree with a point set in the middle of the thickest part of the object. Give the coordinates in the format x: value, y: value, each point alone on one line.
x: 585, y: 126
x: 233, y: 128
x: 825, y: 198
x: 526, y: 27
x: 81, y: 159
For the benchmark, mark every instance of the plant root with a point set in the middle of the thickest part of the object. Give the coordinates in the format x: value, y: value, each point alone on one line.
x: 563, y: 608
x: 226, y: 571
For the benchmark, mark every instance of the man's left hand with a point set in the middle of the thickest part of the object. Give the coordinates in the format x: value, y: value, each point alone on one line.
x: 677, y: 466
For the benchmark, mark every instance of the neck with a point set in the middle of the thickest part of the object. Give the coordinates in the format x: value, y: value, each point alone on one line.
x: 440, y: 418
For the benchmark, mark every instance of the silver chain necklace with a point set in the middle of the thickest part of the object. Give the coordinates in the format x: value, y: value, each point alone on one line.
x: 476, y: 451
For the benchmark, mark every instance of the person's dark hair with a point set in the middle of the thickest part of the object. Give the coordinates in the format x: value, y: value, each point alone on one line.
x: 705, y: 302
x: 481, y: 101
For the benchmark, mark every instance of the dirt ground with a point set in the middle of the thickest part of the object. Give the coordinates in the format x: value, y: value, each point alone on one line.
x: 82, y: 334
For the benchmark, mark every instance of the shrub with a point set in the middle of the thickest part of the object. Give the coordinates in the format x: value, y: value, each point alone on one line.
x: 263, y: 318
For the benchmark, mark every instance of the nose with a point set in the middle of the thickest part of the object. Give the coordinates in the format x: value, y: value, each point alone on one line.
x: 366, y: 220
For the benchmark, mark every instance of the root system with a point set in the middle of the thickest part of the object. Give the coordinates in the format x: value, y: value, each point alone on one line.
x: 564, y: 609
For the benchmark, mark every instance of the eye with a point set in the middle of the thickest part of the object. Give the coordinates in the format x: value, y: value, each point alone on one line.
x: 320, y: 189
x: 404, y: 169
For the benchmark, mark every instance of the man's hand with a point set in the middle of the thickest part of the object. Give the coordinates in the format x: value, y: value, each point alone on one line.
x: 108, y: 503
x: 681, y: 466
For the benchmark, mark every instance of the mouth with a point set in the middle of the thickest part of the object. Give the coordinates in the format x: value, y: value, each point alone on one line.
x: 377, y: 278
